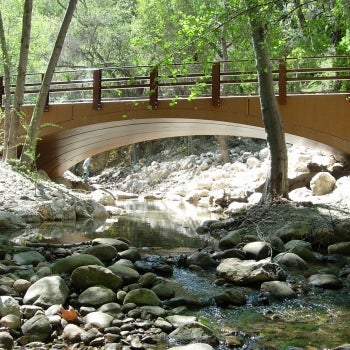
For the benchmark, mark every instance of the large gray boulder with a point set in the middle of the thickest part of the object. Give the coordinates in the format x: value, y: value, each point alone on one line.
x: 232, y: 239
x: 70, y: 263
x: 28, y: 258
x: 142, y: 296
x: 326, y: 281
x: 322, y: 183
x: 37, y: 328
x: 96, y: 296
x: 9, y: 305
x: 279, y: 290
x: 127, y: 274
x: 10, y: 221
x: 47, y: 291
x: 249, y: 272
x: 104, y: 252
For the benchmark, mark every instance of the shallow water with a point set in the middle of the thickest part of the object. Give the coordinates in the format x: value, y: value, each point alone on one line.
x: 319, y: 319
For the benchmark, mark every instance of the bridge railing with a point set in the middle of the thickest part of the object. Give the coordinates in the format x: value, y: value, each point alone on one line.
x: 326, y: 74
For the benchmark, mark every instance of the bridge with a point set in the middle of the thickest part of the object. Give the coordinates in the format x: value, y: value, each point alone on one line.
x: 94, y: 110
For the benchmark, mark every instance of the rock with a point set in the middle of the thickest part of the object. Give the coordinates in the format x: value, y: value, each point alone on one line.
x: 294, y: 230
x: 194, y: 346
x: 28, y: 258
x: 6, y: 341
x: 322, y: 183
x: 127, y: 274
x: 86, y: 209
x: 47, y: 291
x: 37, y: 328
x: 142, y: 296
x: 232, y: 239
x: 229, y: 297
x: 131, y: 254
x: 342, y: 248
x: 9, y: 305
x: 91, y: 275
x: 10, y: 321
x: 164, y: 291
x: 90, y: 335
x: 279, y: 290
x: 103, y: 197
x: 96, y: 296
x: 72, y: 333
x: 257, y: 250
x: 155, y: 311
x: 327, y: 281
x: 98, y: 319
x: 104, y: 252
x: 249, y: 272
x: 148, y: 279
x: 11, y: 222
x: 116, y: 243
x: 290, y: 260
x: 112, y: 309
x: 193, y: 332
x: 70, y: 263
x: 162, y: 268
x: 201, y: 259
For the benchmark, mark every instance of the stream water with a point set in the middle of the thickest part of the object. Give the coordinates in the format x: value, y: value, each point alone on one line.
x: 319, y: 319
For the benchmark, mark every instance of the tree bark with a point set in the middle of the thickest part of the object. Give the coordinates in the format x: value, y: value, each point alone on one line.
x: 21, y: 76
x: 7, y: 83
x: 276, y: 185
x: 28, y: 155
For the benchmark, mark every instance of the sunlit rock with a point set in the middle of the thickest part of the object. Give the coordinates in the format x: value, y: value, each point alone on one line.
x: 322, y: 183
x: 279, y: 290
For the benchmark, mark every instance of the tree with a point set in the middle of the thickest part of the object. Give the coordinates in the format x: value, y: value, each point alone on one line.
x: 276, y: 185
x: 28, y: 152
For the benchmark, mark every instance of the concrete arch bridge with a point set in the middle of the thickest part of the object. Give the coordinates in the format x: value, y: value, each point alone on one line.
x: 101, y: 109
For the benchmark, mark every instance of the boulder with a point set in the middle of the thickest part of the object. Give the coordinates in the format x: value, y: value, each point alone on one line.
x: 91, y: 275
x: 6, y: 340
x: 194, y: 346
x: 257, y: 250
x: 290, y: 260
x: 232, y: 239
x: 9, y: 305
x: 47, y: 291
x: 142, y: 296
x: 11, y: 222
x: 70, y: 263
x: 294, y: 230
x: 71, y: 333
x: 327, y: 281
x: 103, y: 197
x: 249, y: 272
x: 31, y: 257
x: 201, y: 259
x: 127, y: 274
x: 279, y: 290
x: 98, y: 319
x: 37, y: 328
x: 322, y: 183
x: 116, y: 243
x: 131, y: 254
x: 96, y: 296
x: 231, y: 296
x: 104, y: 252
x: 342, y: 248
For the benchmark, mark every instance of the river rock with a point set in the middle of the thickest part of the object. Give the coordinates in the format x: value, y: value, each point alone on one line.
x: 47, y: 291
x: 9, y: 305
x: 142, y: 296
x: 180, y: 320
x: 164, y: 290
x: 322, y: 183
x: 248, y: 272
x: 112, y: 308
x: 201, y: 259
x: 91, y: 275
x: 342, y: 230
x: 232, y: 239
x: 104, y: 252
x: 131, y: 254
x: 6, y: 340
x: 37, y: 328
x: 10, y: 321
x: 70, y: 263
x: 342, y: 248
x: 87, y: 209
x: 194, y: 346
x: 193, y: 332
x: 96, y: 296
x: 116, y: 243
x: 127, y: 274
x: 327, y: 281
x: 290, y: 260
x: 31, y: 257
x: 279, y: 290
x: 103, y: 197
x: 257, y: 250
x: 148, y: 279
x: 72, y: 333
x: 98, y: 319
x: 231, y: 296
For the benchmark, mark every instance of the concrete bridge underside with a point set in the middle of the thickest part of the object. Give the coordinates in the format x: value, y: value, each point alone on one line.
x: 318, y: 121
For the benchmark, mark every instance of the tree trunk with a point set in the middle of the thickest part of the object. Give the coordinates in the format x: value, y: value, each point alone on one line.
x: 7, y: 82
x: 21, y: 76
x: 28, y: 155
x: 276, y: 185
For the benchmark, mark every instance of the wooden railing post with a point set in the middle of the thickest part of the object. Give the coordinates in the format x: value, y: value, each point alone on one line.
x: 215, y: 84
x: 96, y: 89
x: 282, y: 82
x: 47, y: 102
x: 153, y: 88
x: 2, y: 89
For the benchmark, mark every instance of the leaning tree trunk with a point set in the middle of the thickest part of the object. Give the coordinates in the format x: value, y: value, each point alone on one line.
x: 21, y: 76
x: 276, y: 185
x: 7, y: 82
x: 28, y: 155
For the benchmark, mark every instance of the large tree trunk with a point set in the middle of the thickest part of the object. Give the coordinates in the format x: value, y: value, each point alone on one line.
x: 28, y: 155
x: 276, y: 185
x: 21, y: 76
x: 7, y: 82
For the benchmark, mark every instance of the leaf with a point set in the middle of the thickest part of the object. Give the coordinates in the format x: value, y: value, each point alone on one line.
x: 70, y: 315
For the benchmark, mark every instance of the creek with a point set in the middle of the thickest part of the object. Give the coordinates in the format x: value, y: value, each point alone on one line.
x: 318, y: 319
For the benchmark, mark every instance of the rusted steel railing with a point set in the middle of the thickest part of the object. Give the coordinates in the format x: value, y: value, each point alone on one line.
x: 329, y: 74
